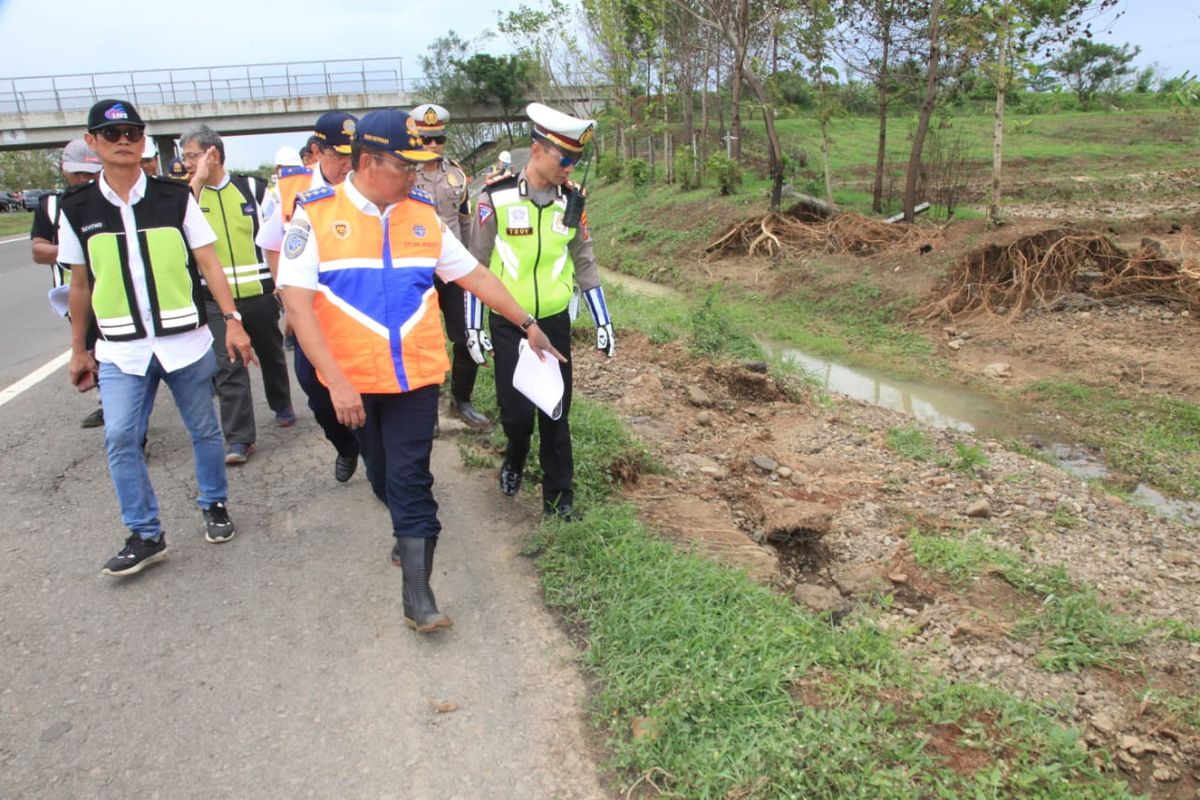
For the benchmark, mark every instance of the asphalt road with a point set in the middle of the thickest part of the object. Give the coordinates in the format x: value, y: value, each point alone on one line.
x: 31, y: 332
x: 276, y: 665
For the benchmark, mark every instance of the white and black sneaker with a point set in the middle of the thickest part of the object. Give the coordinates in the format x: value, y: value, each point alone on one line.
x: 136, y: 555
x: 217, y: 524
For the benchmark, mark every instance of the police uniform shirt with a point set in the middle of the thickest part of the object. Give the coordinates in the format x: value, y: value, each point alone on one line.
x: 299, y: 266
x: 447, y: 185
x: 270, y: 233
x: 133, y: 357
x: 483, y: 234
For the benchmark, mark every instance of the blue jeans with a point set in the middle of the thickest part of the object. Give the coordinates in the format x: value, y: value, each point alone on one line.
x: 127, y: 402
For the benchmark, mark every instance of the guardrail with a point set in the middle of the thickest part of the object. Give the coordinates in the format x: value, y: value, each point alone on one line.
x: 246, y: 82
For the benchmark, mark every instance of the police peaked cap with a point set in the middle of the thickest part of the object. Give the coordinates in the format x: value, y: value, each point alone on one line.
x: 431, y: 119
x: 565, y: 132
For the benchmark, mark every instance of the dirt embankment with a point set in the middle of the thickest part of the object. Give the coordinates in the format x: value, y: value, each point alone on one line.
x: 811, y: 499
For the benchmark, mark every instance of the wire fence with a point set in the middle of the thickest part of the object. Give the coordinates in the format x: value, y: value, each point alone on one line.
x: 248, y: 82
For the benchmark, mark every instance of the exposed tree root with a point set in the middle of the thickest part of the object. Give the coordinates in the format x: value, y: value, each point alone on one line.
x: 805, y: 227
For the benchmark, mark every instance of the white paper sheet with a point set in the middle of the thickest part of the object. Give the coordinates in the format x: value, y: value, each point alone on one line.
x: 540, y: 381
x: 58, y: 299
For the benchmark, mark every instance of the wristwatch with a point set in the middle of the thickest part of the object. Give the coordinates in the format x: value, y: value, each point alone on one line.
x: 228, y: 315
x: 528, y: 323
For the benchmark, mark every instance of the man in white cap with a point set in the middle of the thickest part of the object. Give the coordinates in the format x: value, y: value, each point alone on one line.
x: 446, y: 182
x: 79, y: 166
x: 502, y: 168
x: 150, y: 158
x: 531, y: 230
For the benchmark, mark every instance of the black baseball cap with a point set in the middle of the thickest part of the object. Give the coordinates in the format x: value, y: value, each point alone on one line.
x: 107, y: 113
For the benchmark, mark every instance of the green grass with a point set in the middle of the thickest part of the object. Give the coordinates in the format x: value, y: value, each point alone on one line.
x: 15, y: 223
x: 1156, y: 439
x: 912, y: 443
x: 1074, y: 628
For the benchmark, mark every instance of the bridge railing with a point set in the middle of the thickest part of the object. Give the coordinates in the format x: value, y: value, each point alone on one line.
x: 248, y: 82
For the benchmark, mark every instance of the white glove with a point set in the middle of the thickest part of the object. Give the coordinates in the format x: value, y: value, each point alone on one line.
x: 605, y: 341
x: 478, y: 343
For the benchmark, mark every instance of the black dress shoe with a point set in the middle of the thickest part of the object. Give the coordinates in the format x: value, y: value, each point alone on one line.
x: 510, y: 479
x: 467, y: 413
x: 562, y: 511
x: 344, y: 468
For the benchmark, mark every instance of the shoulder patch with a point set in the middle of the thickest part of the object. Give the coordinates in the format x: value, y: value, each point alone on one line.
x: 286, y: 171
x: 313, y: 195
x: 422, y: 196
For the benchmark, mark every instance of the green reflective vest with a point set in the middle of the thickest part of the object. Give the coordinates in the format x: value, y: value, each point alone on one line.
x: 232, y: 211
x: 530, y: 256
x: 172, y: 278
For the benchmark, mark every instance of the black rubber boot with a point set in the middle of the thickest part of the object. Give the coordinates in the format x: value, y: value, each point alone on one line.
x: 420, y: 609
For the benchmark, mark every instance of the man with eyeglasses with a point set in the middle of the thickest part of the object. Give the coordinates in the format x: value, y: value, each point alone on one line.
x: 446, y: 182
x: 522, y: 229
x: 138, y: 247
x: 331, y: 140
x: 357, y: 280
x: 231, y: 204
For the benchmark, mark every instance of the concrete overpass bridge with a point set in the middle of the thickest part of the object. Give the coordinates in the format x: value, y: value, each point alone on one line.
x: 48, y: 111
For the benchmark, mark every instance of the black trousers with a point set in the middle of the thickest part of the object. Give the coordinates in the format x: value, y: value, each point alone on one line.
x: 260, y: 318
x: 517, y: 412
x: 396, y: 443
x: 321, y: 404
x: 462, y: 368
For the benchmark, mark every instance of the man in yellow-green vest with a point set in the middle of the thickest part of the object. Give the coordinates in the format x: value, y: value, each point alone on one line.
x: 232, y: 206
x: 138, y: 248
x: 531, y: 230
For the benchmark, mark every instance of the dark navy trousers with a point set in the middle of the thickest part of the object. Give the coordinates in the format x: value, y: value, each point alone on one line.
x: 396, y: 443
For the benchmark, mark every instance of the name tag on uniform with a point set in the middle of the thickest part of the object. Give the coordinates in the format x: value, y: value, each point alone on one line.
x: 518, y: 222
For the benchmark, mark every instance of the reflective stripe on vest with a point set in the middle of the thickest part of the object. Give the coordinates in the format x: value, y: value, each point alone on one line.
x: 165, y: 255
x: 530, y: 256
x: 234, y: 219
x: 376, y: 303
x: 60, y: 273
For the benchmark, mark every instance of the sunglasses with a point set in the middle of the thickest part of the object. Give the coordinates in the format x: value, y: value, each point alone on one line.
x: 565, y: 161
x: 433, y: 139
x: 114, y: 134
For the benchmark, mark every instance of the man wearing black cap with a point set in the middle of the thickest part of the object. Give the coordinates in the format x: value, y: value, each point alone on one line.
x: 332, y: 137
x: 357, y: 280
x: 445, y: 181
x: 523, y: 230
x: 138, y: 247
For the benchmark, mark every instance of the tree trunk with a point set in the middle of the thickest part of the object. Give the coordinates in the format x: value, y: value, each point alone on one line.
x: 914, y: 158
x: 885, y: 24
x: 735, y: 106
x: 998, y: 127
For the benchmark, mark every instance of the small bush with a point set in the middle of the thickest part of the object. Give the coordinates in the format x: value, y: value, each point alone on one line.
x: 610, y: 167
x: 686, y: 169
x: 638, y: 172
x: 726, y: 172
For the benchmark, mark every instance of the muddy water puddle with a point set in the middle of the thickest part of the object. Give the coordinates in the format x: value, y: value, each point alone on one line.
x: 942, y: 406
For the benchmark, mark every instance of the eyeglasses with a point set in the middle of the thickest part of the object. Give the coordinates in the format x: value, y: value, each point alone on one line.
x: 114, y: 134
x: 191, y: 156
x: 404, y: 167
x: 563, y: 160
x: 433, y: 139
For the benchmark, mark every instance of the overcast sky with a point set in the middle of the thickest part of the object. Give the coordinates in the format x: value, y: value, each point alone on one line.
x: 47, y: 38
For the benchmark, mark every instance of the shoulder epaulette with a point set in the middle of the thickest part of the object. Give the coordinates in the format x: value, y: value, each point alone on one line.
x: 286, y: 171
x: 422, y: 196
x: 313, y: 195
x: 501, y: 180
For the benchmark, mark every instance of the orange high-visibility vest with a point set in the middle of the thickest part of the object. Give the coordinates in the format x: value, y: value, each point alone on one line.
x: 377, y: 304
x: 292, y: 181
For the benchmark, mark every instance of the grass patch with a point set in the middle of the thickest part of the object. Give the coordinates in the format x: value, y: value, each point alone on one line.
x: 1156, y: 439
x: 1074, y: 628
x: 912, y: 443
x: 15, y: 223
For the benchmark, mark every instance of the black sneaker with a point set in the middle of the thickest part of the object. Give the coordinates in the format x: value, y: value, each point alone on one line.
x: 562, y: 511
x: 136, y: 555
x: 510, y: 479
x: 94, y: 419
x: 218, y: 526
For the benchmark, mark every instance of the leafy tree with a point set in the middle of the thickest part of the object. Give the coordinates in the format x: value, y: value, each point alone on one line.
x: 30, y: 169
x: 444, y: 83
x: 1088, y: 67
x: 503, y: 80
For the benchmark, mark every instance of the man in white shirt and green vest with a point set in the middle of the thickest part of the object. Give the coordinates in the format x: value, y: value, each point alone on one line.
x: 232, y: 205
x: 137, y: 248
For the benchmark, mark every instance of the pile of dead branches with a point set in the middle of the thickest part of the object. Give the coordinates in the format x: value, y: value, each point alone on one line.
x: 804, y: 228
x: 1062, y: 268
